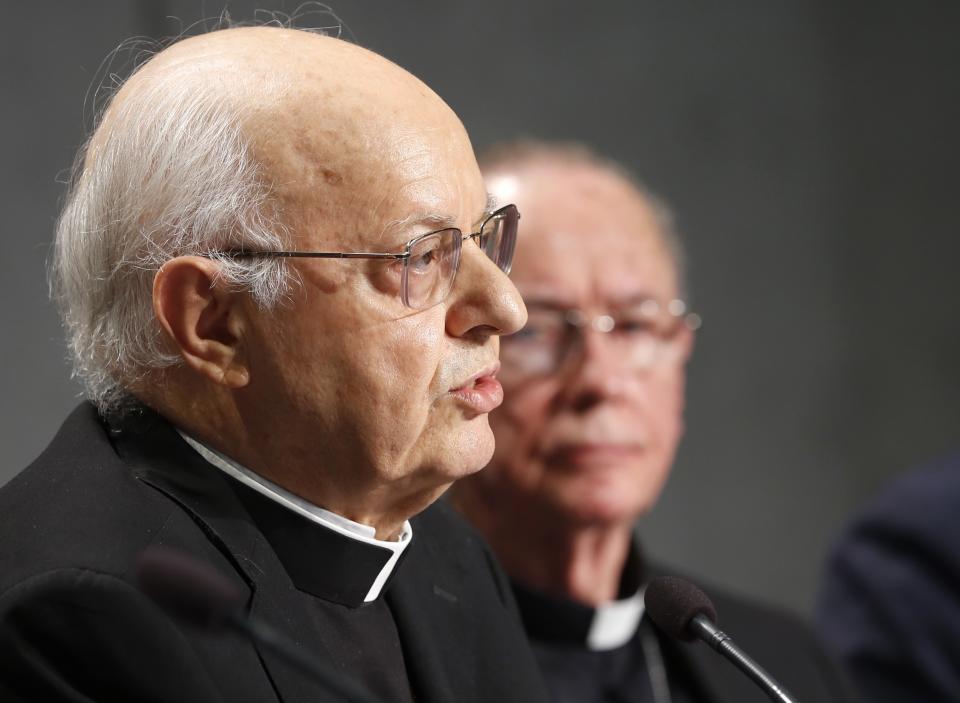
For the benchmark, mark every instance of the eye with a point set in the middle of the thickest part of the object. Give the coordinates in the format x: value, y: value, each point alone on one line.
x: 427, y: 255
x: 423, y: 261
x: 539, y: 331
x: 635, y: 326
x: 527, y: 334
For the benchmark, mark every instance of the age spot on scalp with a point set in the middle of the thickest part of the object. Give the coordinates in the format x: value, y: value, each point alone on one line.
x: 332, y: 177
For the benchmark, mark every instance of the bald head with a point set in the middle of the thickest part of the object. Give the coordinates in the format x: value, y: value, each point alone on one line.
x: 558, y: 182
x: 320, y: 114
x: 269, y: 69
x: 254, y: 137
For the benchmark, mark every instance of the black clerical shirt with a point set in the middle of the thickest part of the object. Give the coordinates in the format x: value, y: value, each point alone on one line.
x: 579, y: 667
x: 338, y: 569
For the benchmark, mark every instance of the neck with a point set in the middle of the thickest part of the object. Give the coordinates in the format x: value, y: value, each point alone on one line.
x: 580, y: 562
x: 217, y: 422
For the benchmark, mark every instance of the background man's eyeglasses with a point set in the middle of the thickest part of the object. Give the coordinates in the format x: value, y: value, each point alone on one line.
x: 640, y: 335
x: 430, y: 261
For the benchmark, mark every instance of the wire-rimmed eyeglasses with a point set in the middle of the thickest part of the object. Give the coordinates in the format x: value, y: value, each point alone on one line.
x: 430, y: 261
x: 639, y: 335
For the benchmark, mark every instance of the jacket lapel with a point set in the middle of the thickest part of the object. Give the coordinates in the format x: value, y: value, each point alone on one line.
x: 420, y: 597
x: 160, y: 458
x: 275, y: 606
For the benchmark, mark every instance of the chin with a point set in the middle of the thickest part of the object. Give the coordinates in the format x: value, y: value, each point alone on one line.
x: 598, y: 514
x: 473, y: 449
x: 602, y: 506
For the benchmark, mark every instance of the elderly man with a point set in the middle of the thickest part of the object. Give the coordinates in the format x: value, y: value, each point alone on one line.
x: 283, y: 288
x: 586, y: 439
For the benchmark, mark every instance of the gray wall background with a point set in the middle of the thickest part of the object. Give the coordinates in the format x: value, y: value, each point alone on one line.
x: 809, y: 148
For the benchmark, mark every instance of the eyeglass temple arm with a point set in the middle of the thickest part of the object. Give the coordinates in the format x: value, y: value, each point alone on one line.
x: 314, y: 255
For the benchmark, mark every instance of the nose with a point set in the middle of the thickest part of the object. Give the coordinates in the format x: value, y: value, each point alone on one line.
x: 596, y: 373
x: 483, y: 301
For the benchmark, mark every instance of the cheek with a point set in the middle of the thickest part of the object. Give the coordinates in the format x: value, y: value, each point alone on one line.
x: 399, y: 367
x: 518, y: 426
x: 665, y: 410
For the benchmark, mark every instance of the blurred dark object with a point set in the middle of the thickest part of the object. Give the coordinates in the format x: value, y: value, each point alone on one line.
x: 187, y: 588
x: 197, y: 593
x: 890, y: 602
x: 673, y: 602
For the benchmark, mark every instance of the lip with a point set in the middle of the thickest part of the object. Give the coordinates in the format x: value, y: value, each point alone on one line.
x: 482, y: 392
x: 594, y: 454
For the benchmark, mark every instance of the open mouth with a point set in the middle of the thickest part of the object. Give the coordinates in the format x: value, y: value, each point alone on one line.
x: 480, y: 393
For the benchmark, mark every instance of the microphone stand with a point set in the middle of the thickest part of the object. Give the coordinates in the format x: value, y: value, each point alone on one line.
x: 721, y: 642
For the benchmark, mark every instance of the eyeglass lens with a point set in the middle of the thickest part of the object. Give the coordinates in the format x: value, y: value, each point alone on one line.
x: 498, y: 236
x: 637, y: 337
x: 429, y: 271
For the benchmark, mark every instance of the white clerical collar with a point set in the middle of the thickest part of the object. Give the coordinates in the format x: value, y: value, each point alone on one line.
x: 614, y: 623
x: 314, y: 513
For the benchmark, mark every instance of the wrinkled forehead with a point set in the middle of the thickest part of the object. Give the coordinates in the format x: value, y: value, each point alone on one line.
x: 589, y: 241
x: 345, y: 140
x: 592, y: 268
x: 345, y: 174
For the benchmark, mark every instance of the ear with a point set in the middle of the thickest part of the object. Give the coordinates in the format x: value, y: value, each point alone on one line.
x: 205, y: 322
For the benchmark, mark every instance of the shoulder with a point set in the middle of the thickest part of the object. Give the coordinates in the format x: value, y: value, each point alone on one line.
x: 738, y: 612
x: 785, y: 644
x: 760, y: 624
x: 922, y: 501
x: 888, y: 603
x: 442, y: 522
x: 781, y: 641
x: 441, y: 527
x: 905, y: 538
x: 58, y: 627
x: 77, y: 505
x: 443, y: 531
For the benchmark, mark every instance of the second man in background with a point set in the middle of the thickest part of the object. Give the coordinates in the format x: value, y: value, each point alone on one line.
x: 586, y: 439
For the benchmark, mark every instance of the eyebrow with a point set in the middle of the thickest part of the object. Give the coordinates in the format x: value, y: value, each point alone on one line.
x: 544, y: 303
x: 435, y: 220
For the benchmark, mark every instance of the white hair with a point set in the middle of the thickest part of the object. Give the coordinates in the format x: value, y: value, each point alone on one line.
x: 169, y: 173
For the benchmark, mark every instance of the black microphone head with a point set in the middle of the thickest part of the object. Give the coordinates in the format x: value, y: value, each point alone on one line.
x: 187, y: 588
x: 673, y: 602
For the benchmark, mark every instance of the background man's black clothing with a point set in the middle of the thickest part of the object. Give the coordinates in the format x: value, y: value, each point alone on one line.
x: 72, y: 628
x: 780, y: 643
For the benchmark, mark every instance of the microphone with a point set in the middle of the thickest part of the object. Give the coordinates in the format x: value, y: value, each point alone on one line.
x: 685, y: 612
x: 199, y: 595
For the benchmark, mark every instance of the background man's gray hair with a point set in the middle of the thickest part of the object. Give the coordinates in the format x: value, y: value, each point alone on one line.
x: 171, y: 174
x: 504, y: 156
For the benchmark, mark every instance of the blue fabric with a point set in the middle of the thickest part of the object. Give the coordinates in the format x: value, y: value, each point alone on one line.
x: 890, y: 602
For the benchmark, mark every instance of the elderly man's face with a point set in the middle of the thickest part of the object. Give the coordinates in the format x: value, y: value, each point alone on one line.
x: 593, y: 440
x: 377, y: 398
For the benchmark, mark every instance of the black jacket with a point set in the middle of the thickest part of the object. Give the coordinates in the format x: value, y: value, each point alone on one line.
x: 73, y: 628
x: 778, y: 641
